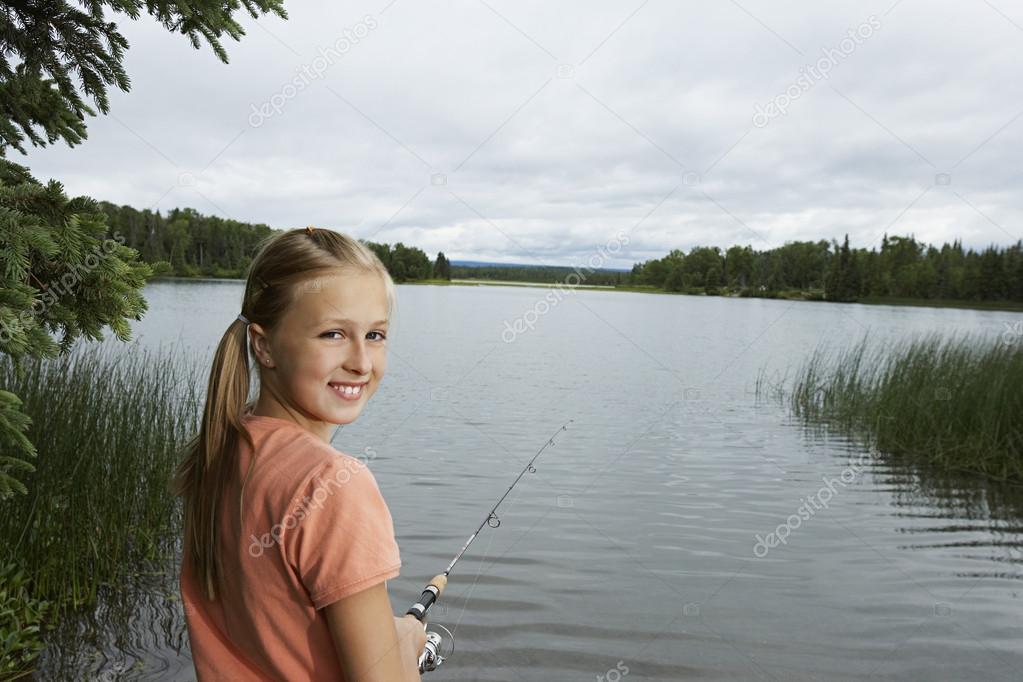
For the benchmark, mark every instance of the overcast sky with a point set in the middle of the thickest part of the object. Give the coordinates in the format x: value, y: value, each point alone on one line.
x: 540, y: 132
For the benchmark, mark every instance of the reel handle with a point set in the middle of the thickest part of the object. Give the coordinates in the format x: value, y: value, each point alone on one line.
x: 431, y: 593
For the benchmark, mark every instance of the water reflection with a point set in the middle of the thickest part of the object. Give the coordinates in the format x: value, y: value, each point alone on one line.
x: 136, y: 632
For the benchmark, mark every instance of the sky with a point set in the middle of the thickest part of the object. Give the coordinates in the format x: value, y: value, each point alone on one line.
x: 566, y: 133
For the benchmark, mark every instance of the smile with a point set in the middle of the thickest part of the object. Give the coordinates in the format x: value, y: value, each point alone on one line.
x: 348, y: 391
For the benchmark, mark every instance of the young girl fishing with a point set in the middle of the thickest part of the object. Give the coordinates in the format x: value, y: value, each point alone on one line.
x: 288, y: 542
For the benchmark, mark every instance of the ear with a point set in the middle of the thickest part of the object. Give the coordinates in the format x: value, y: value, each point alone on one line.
x: 260, y: 345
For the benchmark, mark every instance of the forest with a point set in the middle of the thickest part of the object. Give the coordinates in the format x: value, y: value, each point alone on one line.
x: 188, y: 244
x: 185, y: 243
x: 901, y: 268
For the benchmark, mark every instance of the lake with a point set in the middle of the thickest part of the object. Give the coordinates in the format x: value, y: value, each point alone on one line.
x: 640, y: 548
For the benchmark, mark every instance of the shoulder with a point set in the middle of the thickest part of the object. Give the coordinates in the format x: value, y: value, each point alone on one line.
x: 290, y: 463
x: 290, y: 451
x: 312, y: 470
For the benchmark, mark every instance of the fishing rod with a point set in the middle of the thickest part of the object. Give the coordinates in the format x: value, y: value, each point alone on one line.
x: 431, y: 657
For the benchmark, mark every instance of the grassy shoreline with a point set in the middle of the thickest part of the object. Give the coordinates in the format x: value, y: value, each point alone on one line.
x: 952, y: 402
x: 107, y: 423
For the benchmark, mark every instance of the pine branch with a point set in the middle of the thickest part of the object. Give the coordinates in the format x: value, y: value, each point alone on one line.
x: 60, y: 274
x: 56, y: 43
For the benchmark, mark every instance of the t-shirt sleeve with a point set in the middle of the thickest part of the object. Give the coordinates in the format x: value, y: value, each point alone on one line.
x: 344, y: 541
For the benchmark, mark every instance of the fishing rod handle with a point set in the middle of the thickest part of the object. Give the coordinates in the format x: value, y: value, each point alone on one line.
x: 431, y: 593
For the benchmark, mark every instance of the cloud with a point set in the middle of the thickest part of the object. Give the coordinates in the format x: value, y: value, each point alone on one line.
x: 526, y: 132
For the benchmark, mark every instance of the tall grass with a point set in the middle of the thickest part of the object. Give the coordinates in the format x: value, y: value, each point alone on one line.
x: 108, y: 421
x: 956, y: 402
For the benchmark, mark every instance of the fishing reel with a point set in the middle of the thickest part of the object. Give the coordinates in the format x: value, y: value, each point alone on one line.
x: 431, y: 658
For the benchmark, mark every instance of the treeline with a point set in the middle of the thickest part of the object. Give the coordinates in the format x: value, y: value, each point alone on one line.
x: 902, y: 268
x: 186, y: 243
x: 543, y: 274
x: 189, y: 244
x: 905, y: 268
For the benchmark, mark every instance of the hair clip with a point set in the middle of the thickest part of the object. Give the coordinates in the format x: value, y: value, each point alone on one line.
x: 262, y: 284
x: 309, y: 230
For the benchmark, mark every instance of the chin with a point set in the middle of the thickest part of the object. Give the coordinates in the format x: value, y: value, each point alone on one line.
x: 346, y: 417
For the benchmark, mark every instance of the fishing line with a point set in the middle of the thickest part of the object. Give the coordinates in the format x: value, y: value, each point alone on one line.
x: 431, y: 657
x: 472, y: 587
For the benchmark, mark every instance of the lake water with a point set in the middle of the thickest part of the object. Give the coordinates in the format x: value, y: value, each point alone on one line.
x: 631, y: 553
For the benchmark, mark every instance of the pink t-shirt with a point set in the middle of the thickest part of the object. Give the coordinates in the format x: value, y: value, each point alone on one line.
x: 314, y: 528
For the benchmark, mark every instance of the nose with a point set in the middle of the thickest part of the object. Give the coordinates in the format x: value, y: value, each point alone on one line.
x: 358, y: 360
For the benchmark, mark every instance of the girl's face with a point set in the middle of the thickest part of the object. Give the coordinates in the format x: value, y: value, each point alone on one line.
x: 325, y: 358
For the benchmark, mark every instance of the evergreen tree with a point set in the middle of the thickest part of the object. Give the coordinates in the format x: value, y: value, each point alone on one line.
x: 854, y: 274
x: 1014, y: 271
x: 51, y: 42
x: 59, y: 273
x: 843, y: 280
x: 834, y: 276
x: 442, y: 267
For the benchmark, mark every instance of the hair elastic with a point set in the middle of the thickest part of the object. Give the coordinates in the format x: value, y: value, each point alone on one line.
x: 243, y: 319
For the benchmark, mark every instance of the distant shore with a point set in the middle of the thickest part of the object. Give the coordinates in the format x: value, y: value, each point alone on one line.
x: 1008, y: 306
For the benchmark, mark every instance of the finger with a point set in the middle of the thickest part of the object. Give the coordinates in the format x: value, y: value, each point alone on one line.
x: 422, y: 622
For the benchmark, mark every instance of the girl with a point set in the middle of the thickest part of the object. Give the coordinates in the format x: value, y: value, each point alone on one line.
x: 288, y: 543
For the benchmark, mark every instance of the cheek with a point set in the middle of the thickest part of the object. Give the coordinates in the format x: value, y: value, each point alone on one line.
x: 307, y: 367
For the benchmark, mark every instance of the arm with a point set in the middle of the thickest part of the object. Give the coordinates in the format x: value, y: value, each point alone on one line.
x: 373, y: 645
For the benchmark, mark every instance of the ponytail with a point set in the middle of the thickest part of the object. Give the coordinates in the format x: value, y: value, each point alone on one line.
x: 210, y: 456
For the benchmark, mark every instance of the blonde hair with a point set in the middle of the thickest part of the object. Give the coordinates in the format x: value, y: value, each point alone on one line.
x: 284, y: 263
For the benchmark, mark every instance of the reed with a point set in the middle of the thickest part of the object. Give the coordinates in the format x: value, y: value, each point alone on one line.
x: 953, y: 401
x: 108, y: 422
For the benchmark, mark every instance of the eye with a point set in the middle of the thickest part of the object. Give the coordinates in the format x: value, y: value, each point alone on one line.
x: 379, y: 336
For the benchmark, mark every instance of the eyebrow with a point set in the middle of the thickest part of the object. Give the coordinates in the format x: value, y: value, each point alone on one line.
x: 378, y: 323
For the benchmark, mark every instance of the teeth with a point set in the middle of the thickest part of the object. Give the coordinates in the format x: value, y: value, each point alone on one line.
x: 347, y: 390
